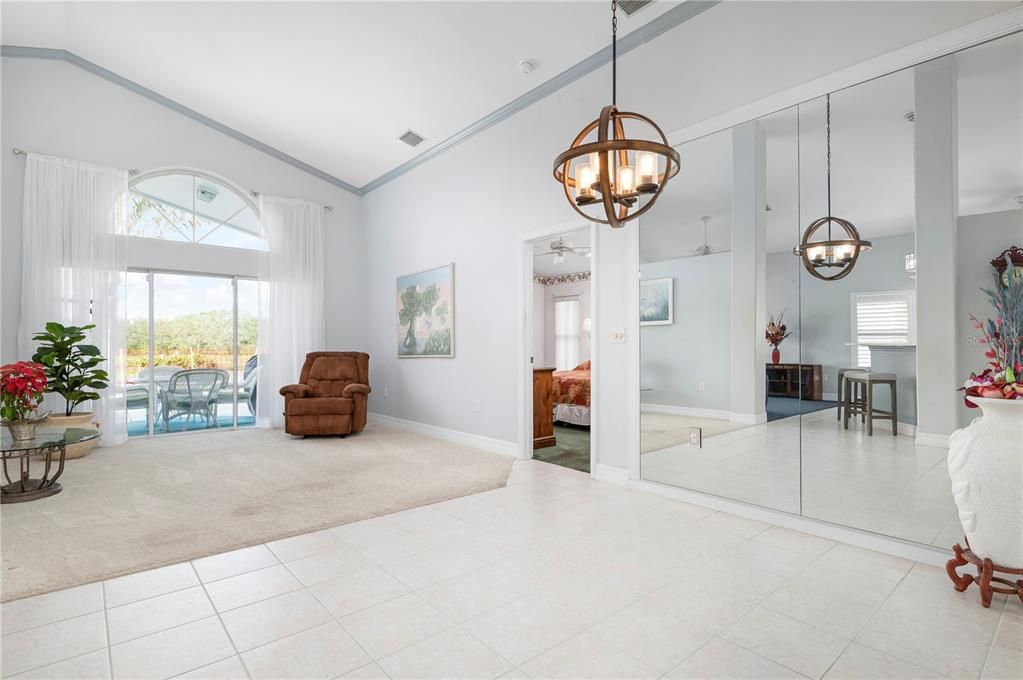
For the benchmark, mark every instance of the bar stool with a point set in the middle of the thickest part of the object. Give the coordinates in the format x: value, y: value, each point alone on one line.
x: 841, y: 375
x: 859, y: 399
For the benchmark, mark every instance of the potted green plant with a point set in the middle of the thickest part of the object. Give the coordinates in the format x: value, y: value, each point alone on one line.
x: 71, y: 367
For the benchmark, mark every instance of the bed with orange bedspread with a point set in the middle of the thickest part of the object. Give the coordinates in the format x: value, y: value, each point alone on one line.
x: 572, y: 395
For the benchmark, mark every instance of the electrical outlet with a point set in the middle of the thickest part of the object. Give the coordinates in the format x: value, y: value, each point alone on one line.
x: 386, y: 395
x: 703, y: 386
x: 476, y: 405
x: 618, y: 335
x: 696, y: 437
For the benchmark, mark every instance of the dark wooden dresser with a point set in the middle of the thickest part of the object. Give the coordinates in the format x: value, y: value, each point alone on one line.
x: 793, y: 380
x: 543, y: 408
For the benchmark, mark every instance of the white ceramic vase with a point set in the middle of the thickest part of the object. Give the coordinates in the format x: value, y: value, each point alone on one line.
x: 985, y: 462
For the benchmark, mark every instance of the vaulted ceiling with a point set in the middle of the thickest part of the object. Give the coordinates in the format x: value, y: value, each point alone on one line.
x: 333, y: 84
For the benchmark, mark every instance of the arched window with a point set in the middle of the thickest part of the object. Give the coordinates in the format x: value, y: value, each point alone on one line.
x: 191, y: 206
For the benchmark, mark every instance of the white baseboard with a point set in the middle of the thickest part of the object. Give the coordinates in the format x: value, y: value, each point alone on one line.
x: 501, y: 446
x: 932, y: 439
x: 611, y: 474
x: 748, y: 418
x: 905, y: 429
x: 863, y: 539
x: 717, y: 414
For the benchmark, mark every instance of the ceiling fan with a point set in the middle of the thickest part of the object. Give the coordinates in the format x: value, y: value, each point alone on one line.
x: 561, y: 247
x: 705, y: 249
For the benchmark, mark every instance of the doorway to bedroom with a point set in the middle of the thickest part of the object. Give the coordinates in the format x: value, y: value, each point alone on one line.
x: 561, y: 328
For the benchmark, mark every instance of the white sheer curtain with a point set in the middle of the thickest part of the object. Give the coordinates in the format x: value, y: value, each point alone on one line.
x: 566, y: 334
x: 74, y: 269
x: 290, y: 298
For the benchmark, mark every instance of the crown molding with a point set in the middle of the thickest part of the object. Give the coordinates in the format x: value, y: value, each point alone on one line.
x: 53, y: 54
x: 675, y: 16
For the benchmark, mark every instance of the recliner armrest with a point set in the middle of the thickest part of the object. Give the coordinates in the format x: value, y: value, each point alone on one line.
x: 296, y: 391
x: 355, y: 388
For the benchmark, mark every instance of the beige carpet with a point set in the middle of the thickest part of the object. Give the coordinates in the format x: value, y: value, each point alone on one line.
x: 159, y: 501
x: 661, y: 430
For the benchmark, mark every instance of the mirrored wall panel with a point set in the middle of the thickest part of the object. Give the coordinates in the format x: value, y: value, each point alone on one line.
x: 707, y: 420
x: 817, y: 378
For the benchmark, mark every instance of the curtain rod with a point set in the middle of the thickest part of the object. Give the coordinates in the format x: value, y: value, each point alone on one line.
x: 135, y: 171
x: 255, y: 194
x: 20, y: 152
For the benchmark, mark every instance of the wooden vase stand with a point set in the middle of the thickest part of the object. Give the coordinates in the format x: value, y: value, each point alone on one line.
x: 986, y: 570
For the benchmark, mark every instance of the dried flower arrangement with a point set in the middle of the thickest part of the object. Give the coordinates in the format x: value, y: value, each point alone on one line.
x: 776, y: 330
x: 1003, y: 337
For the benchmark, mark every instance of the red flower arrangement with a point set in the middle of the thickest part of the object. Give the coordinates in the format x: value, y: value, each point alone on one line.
x: 21, y: 385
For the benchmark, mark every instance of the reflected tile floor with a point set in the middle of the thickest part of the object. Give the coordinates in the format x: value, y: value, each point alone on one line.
x: 552, y: 576
x: 884, y: 484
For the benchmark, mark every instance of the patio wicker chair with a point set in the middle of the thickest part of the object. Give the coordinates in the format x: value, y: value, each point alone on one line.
x: 192, y: 392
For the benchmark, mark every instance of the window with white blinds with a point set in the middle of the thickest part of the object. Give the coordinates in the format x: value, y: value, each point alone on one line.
x: 566, y: 334
x: 881, y: 319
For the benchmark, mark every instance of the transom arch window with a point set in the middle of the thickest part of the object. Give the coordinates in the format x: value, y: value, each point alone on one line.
x: 192, y: 206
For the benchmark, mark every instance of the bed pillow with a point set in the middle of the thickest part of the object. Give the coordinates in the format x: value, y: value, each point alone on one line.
x: 584, y: 366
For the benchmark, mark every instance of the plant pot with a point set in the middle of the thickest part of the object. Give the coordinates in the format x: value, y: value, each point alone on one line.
x: 21, y: 430
x: 776, y: 356
x: 82, y: 420
x: 985, y: 461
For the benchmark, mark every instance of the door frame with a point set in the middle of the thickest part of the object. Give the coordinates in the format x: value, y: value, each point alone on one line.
x: 524, y: 444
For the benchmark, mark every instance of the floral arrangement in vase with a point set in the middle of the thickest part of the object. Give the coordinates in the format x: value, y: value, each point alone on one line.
x: 1003, y: 338
x: 776, y: 332
x: 21, y: 385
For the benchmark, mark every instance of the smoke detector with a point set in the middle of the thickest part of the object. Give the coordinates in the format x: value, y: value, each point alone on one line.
x: 526, y: 66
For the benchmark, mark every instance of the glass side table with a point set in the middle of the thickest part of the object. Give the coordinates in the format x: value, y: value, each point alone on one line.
x: 19, y: 457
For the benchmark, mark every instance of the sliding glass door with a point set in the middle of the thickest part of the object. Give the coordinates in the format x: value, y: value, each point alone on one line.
x: 191, y: 352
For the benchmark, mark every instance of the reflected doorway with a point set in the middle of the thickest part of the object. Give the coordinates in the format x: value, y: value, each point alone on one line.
x: 561, y: 324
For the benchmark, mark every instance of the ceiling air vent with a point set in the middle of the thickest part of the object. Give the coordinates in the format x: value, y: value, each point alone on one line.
x: 630, y: 7
x: 411, y: 138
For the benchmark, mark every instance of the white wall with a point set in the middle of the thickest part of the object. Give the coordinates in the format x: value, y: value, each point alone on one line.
x: 457, y: 208
x: 54, y: 108
x: 552, y: 293
x: 695, y: 349
x: 539, y: 325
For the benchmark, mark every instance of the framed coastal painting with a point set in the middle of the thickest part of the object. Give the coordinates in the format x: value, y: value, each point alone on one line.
x: 426, y: 313
x: 656, y: 302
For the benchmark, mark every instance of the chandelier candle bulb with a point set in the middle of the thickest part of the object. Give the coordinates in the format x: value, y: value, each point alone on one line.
x: 625, y: 180
x: 585, y: 180
x: 646, y: 164
x: 595, y: 170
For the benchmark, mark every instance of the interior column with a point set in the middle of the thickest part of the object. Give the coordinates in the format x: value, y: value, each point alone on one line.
x: 749, y: 267
x: 936, y: 169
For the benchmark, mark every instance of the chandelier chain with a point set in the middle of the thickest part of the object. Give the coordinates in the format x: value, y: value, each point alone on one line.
x: 614, y: 52
x: 827, y: 116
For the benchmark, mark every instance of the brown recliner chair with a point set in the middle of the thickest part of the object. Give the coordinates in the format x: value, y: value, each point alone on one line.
x: 331, y: 397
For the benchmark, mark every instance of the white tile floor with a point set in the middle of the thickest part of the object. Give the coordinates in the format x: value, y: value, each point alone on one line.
x: 884, y: 484
x: 554, y: 576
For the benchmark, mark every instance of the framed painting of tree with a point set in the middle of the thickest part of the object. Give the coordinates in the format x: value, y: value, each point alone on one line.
x: 426, y: 313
